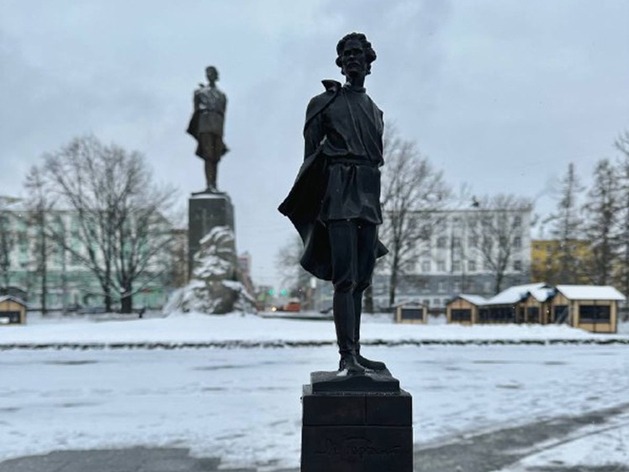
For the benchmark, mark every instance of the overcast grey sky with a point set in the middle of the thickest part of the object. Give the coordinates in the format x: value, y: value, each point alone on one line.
x: 500, y: 94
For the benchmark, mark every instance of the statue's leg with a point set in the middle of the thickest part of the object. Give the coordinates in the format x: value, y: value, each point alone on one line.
x: 210, y: 174
x: 343, y: 247
x: 207, y: 146
x: 217, y: 147
x: 367, y: 238
x: 210, y: 144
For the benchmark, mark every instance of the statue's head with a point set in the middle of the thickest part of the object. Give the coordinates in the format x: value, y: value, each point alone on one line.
x: 211, y: 73
x: 355, y: 54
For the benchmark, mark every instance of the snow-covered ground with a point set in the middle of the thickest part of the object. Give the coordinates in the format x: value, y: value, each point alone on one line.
x: 252, y: 330
x: 243, y: 403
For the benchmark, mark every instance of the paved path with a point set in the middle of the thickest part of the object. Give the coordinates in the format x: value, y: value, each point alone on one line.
x: 138, y: 459
x: 484, y: 452
x: 499, y: 449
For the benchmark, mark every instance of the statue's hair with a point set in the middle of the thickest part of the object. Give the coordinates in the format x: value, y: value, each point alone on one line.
x: 211, y: 67
x: 370, y: 54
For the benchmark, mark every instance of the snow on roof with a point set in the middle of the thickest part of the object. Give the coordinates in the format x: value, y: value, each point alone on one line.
x: 542, y: 294
x: 514, y: 294
x: 473, y: 299
x: 590, y: 292
x: 408, y: 303
x: 12, y: 298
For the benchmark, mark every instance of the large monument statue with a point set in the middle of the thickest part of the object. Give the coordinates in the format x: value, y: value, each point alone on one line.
x: 206, y: 125
x: 335, y: 201
x: 215, y: 284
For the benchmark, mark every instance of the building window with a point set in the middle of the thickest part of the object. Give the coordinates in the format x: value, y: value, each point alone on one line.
x: 426, y: 266
x: 441, y: 266
x: 441, y: 287
x: 456, y: 242
x: 456, y: 266
x: 517, y: 265
x: 472, y: 241
x: 457, y: 287
x: 517, y: 221
x: 517, y: 242
x: 461, y: 315
x: 532, y: 314
x: 441, y: 242
x: 594, y: 314
x: 436, y: 302
x: 426, y: 302
x: 471, y: 266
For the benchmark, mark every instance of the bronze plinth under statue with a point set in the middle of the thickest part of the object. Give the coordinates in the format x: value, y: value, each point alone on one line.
x: 335, y: 200
x: 207, y: 125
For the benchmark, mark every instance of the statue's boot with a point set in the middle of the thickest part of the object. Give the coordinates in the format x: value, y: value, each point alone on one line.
x: 369, y: 364
x: 350, y: 363
x: 343, y: 309
x: 363, y: 361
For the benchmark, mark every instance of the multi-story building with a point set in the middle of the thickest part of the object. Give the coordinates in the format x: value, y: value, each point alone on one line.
x: 467, y: 250
x: 68, y: 282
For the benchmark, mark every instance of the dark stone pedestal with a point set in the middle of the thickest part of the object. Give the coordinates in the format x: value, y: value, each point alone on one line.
x: 206, y: 211
x: 349, y: 430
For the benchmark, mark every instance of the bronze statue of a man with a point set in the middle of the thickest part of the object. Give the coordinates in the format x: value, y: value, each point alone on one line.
x: 206, y: 125
x: 335, y: 200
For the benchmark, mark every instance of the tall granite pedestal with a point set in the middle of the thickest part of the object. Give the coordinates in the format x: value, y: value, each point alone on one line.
x: 356, y: 424
x: 206, y: 211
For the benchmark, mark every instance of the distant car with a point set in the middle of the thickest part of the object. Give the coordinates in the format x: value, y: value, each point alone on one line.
x: 292, y: 306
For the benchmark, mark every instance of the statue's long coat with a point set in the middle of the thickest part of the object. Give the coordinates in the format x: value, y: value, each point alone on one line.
x: 302, y: 205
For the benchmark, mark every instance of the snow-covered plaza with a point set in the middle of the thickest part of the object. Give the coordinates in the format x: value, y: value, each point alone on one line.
x: 243, y: 403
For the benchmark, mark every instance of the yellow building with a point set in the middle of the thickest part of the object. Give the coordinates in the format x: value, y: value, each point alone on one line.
x: 545, y: 261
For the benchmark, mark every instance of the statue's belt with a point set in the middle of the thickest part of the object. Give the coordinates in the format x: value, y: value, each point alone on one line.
x: 205, y: 110
x: 351, y: 160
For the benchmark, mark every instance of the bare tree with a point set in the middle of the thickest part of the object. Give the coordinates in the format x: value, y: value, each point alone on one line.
x: 566, y: 227
x: 622, y: 144
x: 601, y: 211
x: 293, y: 274
x: 498, y: 231
x: 412, y: 193
x: 38, y: 207
x: 120, y: 215
x: 7, y: 242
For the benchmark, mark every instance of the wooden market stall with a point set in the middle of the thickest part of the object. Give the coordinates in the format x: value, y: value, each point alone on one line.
x: 536, y: 306
x: 593, y: 308
x: 411, y: 312
x: 12, y: 311
x: 464, y: 309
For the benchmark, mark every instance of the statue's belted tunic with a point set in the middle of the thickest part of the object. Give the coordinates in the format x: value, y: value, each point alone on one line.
x: 335, y: 200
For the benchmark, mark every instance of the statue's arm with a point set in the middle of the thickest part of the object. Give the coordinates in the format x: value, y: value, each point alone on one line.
x: 314, y: 131
x: 196, y: 100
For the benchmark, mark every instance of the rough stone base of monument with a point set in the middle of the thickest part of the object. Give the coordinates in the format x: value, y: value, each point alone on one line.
x: 206, y: 211
x: 356, y: 431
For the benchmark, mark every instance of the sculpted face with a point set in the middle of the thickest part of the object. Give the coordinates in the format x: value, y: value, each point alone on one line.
x: 353, y: 59
x: 212, y: 74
